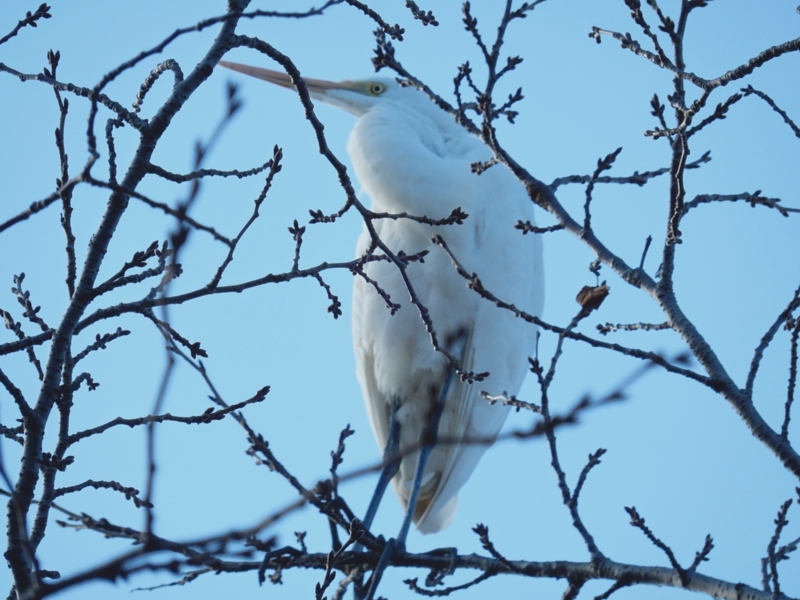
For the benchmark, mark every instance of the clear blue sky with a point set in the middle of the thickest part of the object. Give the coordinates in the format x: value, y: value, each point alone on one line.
x: 675, y: 451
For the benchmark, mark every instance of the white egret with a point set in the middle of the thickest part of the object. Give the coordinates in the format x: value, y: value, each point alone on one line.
x: 410, y: 156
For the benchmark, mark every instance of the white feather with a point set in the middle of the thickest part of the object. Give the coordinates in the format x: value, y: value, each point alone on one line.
x: 409, y: 156
x: 412, y: 157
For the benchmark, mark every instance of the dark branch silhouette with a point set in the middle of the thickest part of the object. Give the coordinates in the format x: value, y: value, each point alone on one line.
x: 42, y: 427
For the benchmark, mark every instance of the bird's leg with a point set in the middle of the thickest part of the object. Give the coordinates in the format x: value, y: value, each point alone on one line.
x: 383, y: 562
x: 399, y: 543
x: 438, y: 575
x: 428, y: 439
x: 391, y: 463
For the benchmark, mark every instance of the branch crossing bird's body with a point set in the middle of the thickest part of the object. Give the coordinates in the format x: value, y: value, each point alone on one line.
x: 410, y: 156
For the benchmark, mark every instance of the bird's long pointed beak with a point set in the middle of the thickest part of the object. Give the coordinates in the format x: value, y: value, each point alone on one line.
x: 281, y: 79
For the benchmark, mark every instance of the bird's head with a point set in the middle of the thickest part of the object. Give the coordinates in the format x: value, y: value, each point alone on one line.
x: 356, y: 97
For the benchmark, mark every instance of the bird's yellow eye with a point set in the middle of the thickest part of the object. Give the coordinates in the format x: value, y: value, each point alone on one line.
x: 376, y: 89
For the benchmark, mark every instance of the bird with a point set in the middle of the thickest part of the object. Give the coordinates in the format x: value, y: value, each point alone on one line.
x: 410, y: 156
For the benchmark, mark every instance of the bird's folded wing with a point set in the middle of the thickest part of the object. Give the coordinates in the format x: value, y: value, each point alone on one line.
x: 460, y: 453
x: 378, y: 408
